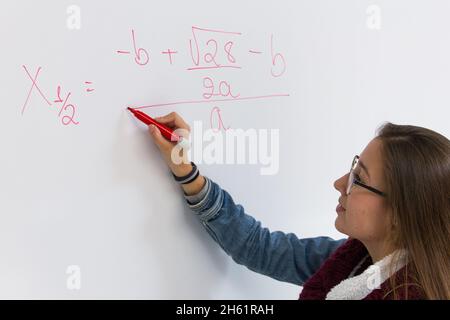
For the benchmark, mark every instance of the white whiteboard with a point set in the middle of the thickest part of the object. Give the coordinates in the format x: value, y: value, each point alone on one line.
x: 97, y: 195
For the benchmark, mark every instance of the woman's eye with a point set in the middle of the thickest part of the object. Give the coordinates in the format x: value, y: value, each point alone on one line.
x: 357, y: 177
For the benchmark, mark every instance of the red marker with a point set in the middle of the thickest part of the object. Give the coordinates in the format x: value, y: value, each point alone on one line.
x: 168, y: 133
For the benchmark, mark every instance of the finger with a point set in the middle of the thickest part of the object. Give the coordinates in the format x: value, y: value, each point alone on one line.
x: 185, y: 133
x: 158, y: 138
x: 162, y: 120
x: 167, y: 119
x: 173, y: 120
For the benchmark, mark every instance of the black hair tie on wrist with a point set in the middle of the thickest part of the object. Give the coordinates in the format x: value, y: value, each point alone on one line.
x: 191, y: 176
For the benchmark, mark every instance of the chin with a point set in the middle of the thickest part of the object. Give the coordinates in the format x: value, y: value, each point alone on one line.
x: 338, y: 225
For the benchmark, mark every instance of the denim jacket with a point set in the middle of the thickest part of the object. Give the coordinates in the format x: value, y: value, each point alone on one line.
x: 281, y: 256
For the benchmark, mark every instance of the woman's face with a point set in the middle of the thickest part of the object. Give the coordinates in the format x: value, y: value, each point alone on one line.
x: 366, y: 216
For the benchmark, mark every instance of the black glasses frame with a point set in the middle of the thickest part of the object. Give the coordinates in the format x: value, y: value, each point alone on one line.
x: 352, y: 180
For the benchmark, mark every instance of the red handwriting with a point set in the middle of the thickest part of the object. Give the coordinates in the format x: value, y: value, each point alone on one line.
x: 66, y: 107
x: 227, y: 48
x: 212, y: 100
x: 89, y: 89
x: 66, y: 120
x: 211, y: 49
x: 220, y: 125
x: 216, y: 49
x: 206, y: 55
x: 33, y: 85
x: 278, y: 61
x: 141, y: 56
x: 169, y: 52
x: 224, y: 89
x: 141, y: 60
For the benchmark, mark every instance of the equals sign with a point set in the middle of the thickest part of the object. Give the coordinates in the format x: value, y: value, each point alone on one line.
x: 88, y: 89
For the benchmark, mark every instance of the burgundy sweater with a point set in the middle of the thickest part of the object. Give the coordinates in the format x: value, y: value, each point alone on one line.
x: 338, y: 268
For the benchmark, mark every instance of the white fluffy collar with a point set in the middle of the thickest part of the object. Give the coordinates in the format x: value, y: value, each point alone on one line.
x: 360, y: 286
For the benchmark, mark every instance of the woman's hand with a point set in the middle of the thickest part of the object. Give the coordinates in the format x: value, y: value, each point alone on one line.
x: 174, y: 121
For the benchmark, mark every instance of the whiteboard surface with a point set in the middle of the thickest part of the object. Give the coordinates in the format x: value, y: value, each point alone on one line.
x: 97, y: 194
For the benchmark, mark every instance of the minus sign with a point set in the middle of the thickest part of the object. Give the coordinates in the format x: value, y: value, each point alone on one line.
x: 252, y: 51
x: 119, y: 51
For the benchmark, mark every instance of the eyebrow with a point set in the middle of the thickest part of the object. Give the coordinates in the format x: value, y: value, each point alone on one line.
x: 363, y: 166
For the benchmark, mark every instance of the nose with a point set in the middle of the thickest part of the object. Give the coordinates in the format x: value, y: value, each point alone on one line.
x: 341, y: 184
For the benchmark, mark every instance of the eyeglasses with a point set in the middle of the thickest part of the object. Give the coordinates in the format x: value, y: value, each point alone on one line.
x: 353, y: 179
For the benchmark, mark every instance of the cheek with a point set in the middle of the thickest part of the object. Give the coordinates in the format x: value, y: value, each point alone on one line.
x: 363, y: 220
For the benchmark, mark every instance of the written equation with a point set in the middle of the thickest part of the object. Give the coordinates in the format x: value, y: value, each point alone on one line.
x: 65, y: 109
x: 210, y: 50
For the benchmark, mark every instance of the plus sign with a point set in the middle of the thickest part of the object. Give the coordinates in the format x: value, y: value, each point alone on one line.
x: 169, y: 52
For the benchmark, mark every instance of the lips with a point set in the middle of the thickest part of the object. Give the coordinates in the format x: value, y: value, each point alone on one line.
x: 340, y: 208
x: 340, y: 203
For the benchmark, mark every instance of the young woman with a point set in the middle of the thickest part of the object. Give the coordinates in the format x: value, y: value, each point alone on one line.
x: 394, y: 205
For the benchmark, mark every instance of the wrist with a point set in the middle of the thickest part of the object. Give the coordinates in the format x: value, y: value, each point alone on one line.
x: 195, y: 186
x: 188, y: 175
x: 181, y: 170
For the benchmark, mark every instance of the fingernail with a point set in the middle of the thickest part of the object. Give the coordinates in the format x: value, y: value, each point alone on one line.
x: 152, y: 128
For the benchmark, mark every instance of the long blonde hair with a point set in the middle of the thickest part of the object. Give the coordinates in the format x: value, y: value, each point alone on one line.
x: 417, y: 173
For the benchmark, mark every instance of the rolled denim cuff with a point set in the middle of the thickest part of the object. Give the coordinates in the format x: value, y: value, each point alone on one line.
x: 196, y: 198
x: 210, y: 204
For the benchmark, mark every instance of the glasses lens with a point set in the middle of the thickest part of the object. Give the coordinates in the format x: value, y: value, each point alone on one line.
x: 350, y: 175
x: 350, y: 182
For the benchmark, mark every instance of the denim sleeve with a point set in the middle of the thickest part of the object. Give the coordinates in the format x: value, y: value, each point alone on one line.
x: 278, y: 255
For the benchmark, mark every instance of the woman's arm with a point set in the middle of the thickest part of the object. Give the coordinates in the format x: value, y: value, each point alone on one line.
x: 278, y: 255
x: 281, y: 256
